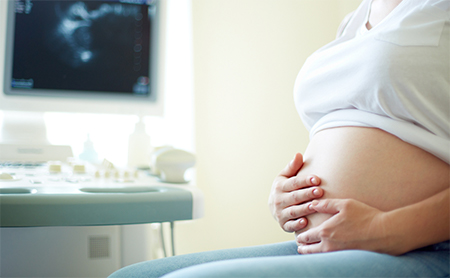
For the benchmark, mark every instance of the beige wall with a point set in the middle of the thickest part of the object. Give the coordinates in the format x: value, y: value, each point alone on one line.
x: 247, y: 54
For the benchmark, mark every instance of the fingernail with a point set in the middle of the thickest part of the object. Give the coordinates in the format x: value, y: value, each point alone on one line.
x: 316, y: 192
x: 310, y: 207
x: 313, y: 180
x: 302, y: 221
x: 314, y: 203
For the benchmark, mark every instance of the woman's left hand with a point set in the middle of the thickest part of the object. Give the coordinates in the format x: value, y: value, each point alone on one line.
x: 354, y: 225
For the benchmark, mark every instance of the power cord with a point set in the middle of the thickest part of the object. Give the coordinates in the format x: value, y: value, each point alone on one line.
x: 172, y: 232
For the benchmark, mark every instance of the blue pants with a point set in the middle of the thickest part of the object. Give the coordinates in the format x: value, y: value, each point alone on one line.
x: 282, y: 260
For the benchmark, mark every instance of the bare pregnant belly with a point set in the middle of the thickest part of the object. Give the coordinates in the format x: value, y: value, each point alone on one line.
x: 372, y: 166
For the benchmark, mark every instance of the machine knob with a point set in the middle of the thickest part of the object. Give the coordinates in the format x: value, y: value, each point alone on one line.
x: 6, y: 176
x: 97, y: 174
x: 54, y: 167
x: 116, y: 174
x: 79, y: 168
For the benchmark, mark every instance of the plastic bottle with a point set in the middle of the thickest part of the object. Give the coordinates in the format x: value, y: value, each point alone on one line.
x: 89, y: 154
x: 139, y: 147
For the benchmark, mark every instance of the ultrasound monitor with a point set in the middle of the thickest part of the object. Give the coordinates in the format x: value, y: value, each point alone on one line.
x: 93, y: 56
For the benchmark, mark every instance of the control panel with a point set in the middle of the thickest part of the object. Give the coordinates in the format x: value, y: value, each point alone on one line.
x: 58, y: 173
x: 70, y: 192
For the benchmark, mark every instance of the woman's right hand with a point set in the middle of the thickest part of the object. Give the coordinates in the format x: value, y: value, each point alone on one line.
x: 290, y: 196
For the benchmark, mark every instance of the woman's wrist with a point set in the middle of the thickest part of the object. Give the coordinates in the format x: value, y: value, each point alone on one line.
x: 417, y: 225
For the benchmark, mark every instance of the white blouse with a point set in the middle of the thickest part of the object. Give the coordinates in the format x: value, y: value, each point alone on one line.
x: 395, y: 76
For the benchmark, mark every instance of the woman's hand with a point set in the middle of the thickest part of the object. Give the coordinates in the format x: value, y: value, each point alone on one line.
x: 289, y: 195
x: 354, y: 225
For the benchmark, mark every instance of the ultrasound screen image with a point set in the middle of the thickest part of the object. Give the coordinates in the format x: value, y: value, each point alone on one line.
x: 101, y: 46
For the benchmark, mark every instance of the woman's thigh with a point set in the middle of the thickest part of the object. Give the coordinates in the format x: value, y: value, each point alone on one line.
x: 160, y: 267
x: 353, y: 263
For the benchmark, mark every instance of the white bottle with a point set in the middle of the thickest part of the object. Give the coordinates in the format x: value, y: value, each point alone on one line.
x: 139, y: 147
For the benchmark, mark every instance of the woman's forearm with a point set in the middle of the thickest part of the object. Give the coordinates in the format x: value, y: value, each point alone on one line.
x: 419, y: 224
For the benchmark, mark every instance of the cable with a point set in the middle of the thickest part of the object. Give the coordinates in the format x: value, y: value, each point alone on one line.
x: 172, y: 228
x: 172, y: 238
x: 163, y: 245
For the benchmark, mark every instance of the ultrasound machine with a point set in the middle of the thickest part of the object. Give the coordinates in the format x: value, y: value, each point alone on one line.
x: 60, y: 216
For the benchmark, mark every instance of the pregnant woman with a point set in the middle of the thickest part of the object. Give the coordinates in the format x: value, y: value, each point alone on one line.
x: 370, y: 196
x: 377, y: 103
